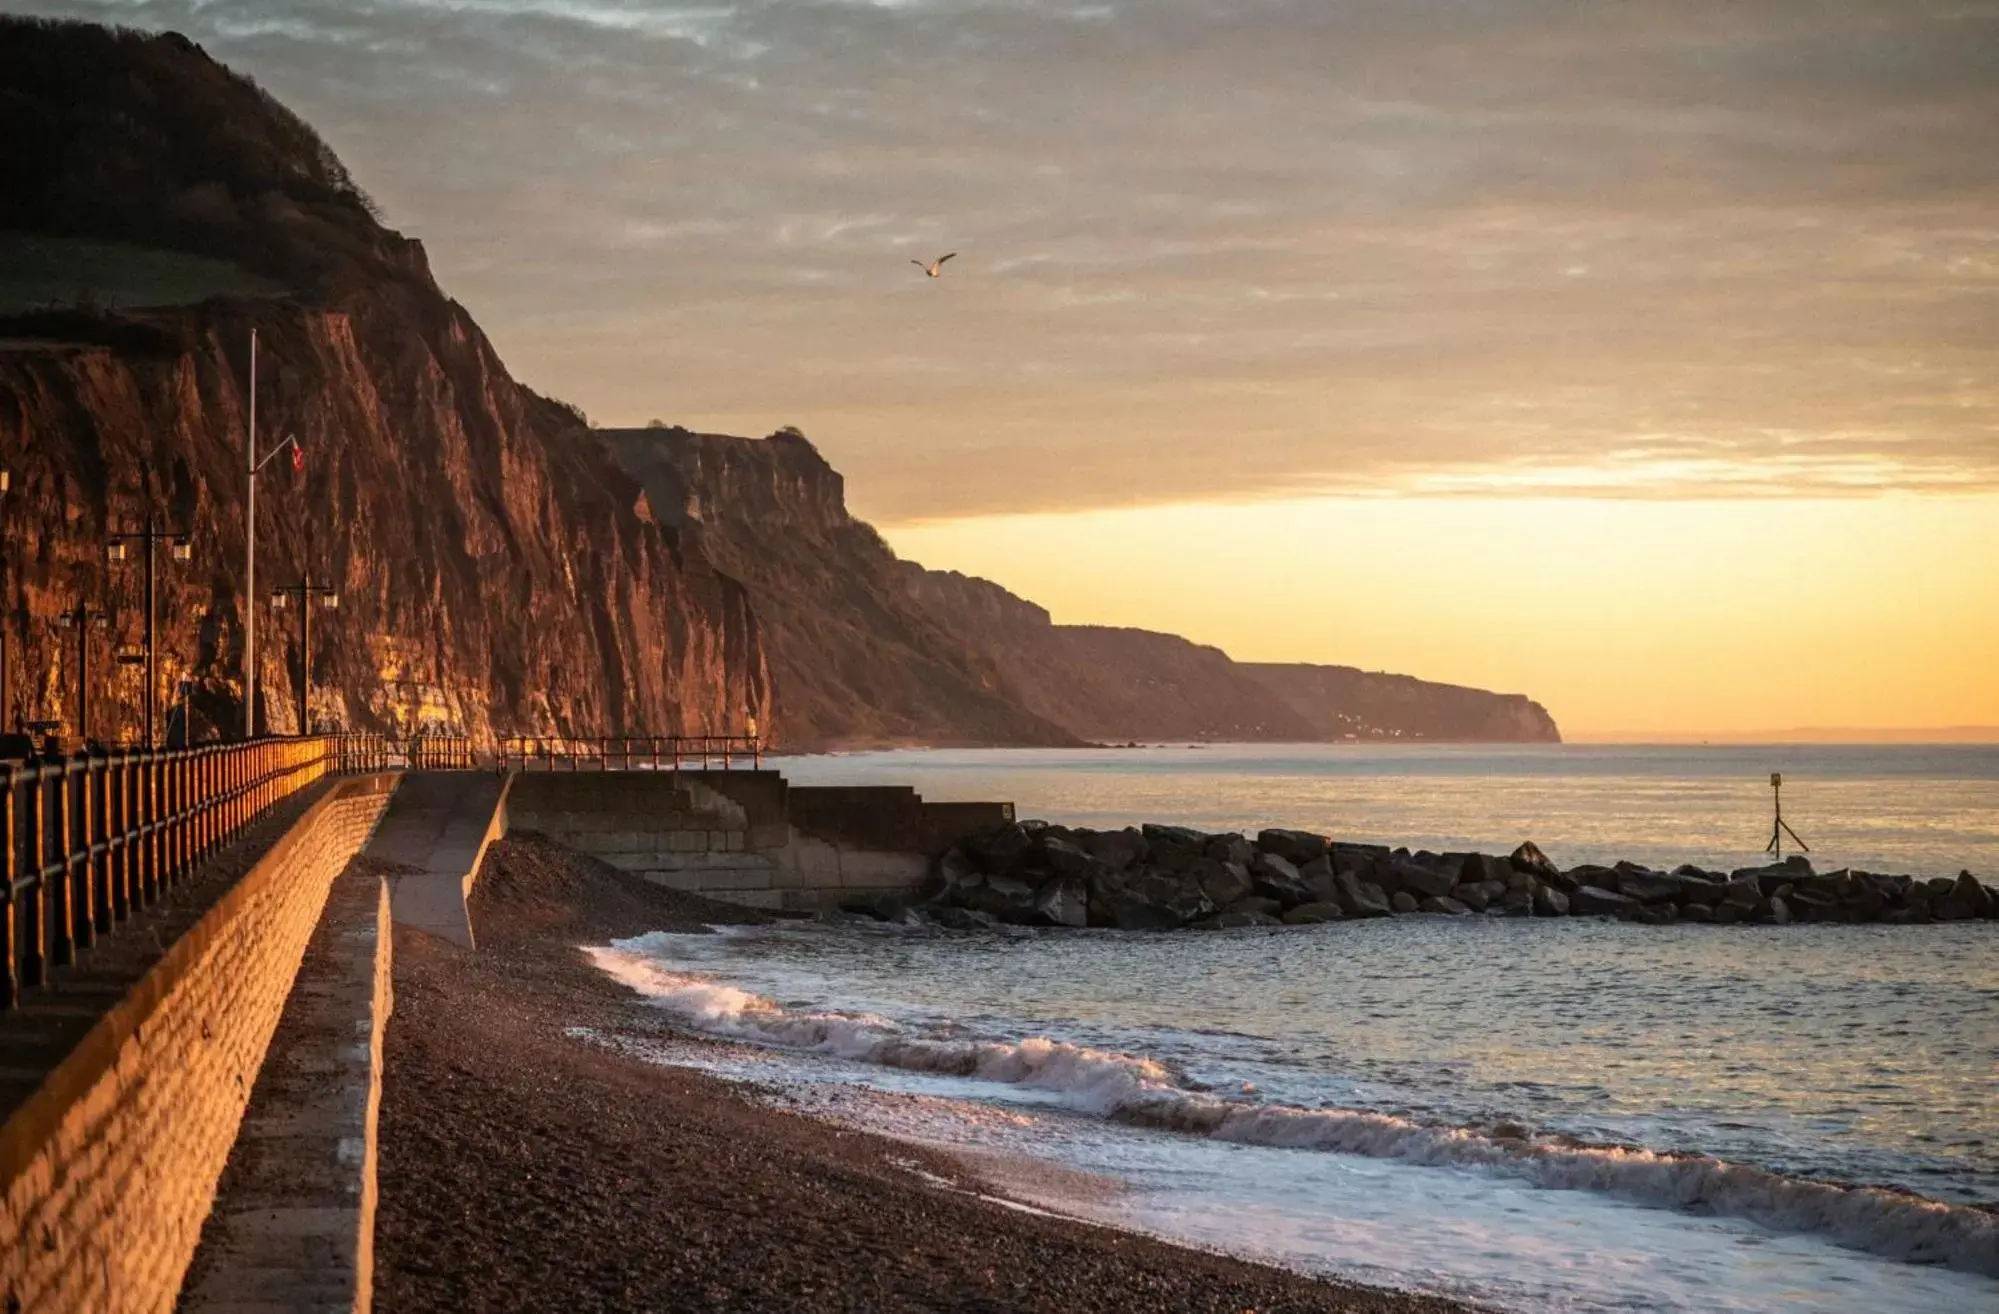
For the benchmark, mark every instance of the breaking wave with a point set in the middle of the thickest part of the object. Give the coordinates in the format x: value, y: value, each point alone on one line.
x: 1129, y: 1088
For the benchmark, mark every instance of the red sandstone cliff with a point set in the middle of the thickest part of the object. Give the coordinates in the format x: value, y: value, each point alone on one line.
x: 854, y: 659
x: 503, y: 567
x: 498, y: 569
x: 866, y: 647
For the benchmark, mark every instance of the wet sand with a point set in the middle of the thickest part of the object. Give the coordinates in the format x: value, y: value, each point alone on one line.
x: 523, y: 1168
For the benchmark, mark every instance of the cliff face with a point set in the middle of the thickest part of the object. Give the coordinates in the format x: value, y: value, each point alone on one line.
x: 1103, y: 683
x: 867, y: 648
x: 497, y: 569
x: 1339, y: 702
x: 854, y: 659
x: 502, y: 567
x: 1112, y: 684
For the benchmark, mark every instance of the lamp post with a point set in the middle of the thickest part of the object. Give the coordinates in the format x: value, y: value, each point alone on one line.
x: 306, y: 592
x: 6, y: 689
x: 83, y: 620
x: 253, y: 465
x: 150, y: 538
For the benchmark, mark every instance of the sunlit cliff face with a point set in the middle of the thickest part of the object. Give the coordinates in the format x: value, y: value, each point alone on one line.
x: 1608, y: 289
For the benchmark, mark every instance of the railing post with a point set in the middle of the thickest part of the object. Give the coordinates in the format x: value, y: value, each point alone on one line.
x: 63, y: 952
x: 97, y: 832
x: 10, y: 866
x: 34, y: 962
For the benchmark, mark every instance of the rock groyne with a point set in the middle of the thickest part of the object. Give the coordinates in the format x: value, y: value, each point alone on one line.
x: 1163, y: 878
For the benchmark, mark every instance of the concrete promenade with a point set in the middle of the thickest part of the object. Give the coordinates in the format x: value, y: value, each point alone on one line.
x: 439, y: 823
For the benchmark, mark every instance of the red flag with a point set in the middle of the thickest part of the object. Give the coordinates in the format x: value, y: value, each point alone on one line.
x: 298, y: 456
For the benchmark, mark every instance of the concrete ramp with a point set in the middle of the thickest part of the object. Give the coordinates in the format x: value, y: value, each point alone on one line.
x: 440, y: 823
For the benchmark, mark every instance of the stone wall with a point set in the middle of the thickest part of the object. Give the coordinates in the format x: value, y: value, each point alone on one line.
x: 108, y: 1172
x: 748, y: 837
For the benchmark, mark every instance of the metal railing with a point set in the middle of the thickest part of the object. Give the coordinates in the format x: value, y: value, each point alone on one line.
x: 87, y: 842
x: 435, y: 752
x: 631, y: 753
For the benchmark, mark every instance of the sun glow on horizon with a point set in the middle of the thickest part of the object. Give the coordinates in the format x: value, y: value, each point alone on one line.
x: 1865, y: 612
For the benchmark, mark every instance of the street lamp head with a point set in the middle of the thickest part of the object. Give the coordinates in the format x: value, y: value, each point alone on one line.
x: 66, y: 621
x: 115, y: 550
x: 281, y: 600
x: 6, y: 480
x: 332, y: 601
x: 183, y: 549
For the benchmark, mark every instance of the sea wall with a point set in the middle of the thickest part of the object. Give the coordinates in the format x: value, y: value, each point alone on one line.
x: 749, y: 837
x: 294, y: 1215
x: 108, y: 1172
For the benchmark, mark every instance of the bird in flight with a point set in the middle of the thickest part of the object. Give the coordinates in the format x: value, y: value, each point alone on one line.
x: 935, y: 269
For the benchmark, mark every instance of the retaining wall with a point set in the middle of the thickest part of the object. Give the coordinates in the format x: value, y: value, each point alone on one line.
x: 749, y: 837
x: 108, y: 1172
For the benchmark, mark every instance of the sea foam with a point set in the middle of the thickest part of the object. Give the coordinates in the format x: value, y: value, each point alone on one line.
x: 1133, y: 1089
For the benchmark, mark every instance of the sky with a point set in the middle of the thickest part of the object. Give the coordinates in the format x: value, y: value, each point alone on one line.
x: 1641, y: 357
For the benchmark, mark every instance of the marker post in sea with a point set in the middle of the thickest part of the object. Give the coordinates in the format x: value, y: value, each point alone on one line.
x: 1782, y: 827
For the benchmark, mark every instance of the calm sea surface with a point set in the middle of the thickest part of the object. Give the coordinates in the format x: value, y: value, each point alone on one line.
x: 1930, y: 810
x: 1570, y: 1114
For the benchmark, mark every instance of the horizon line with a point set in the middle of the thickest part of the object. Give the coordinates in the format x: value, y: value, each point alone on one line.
x: 1952, y: 734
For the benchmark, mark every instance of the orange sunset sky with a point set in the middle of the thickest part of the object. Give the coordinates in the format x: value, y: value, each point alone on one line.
x: 1643, y: 358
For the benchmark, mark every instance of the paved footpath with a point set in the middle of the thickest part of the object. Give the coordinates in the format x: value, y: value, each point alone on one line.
x: 439, y: 823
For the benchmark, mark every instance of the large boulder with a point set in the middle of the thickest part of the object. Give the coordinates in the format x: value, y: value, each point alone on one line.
x: 1255, y: 904
x: 1550, y: 902
x: 995, y: 850
x: 1697, y: 887
x: 1779, y: 912
x: 1402, y: 901
x: 1529, y: 858
x: 1417, y: 880
x: 1647, y: 886
x: 1977, y: 900
x: 1174, y: 837
x: 1445, y: 906
x: 1275, y: 878
x: 1295, y: 846
x: 1478, y: 868
x: 1063, y: 901
x: 1653, y: 914
x: 1061, y: 857
x: 1745, y: 897
x: 1768, y: 879
x: 1359, y: 898
x: 1311, y: 914
x: 1517, y: 903
x: 1318, y: 877
x: 1229, y: 848
x: 1225, y: 882
x: 1115, y: 849
x: 955, y: 872
x: 1473, y: 897
x: 1008, y: 898
x: 1595, y: 901
x: 1602, y: 878
x: 1359, y: 858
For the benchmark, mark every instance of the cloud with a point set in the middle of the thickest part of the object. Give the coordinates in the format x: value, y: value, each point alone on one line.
x: 1229, y: 248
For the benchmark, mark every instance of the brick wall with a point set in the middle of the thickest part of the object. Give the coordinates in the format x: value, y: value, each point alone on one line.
x: 108, y: 1172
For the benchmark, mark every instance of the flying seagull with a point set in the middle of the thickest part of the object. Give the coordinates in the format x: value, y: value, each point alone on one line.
x: 935, y: 269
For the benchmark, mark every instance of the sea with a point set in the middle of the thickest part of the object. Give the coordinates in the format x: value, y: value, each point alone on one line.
x: 1531, y: 1114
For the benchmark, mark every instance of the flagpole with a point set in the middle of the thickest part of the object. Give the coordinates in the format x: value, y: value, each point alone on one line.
x: 250, y: 564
